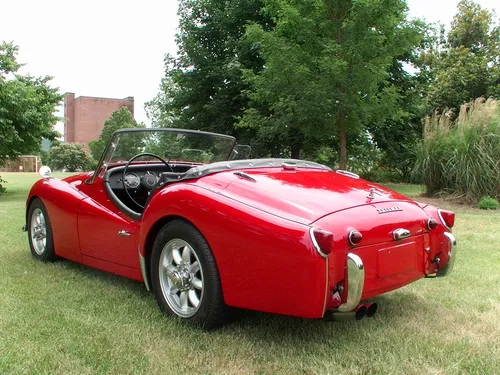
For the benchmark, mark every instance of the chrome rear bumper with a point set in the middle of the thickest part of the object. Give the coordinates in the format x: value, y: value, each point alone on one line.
x: 355, y: 282
x: 448, y: 267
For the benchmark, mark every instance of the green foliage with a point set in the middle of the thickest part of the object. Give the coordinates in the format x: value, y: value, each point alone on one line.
x: 27, y: 107
x: 465, y: 65
x: 119, y: 119
x: 203, y: 88
x: 2, y: 189
x: 462, y: 157
x: 488, y: 203
x: 325, y: 63
x: 69, y: 156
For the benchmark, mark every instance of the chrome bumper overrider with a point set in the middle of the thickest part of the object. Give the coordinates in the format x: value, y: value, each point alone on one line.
x: 448, y: 267
x: 355, y: 282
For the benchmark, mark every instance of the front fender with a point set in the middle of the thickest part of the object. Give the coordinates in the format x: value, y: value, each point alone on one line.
x: 61, y: 201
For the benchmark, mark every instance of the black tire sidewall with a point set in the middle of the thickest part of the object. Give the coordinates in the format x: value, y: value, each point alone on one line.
x: 48, y: 255
x: 212, y: 308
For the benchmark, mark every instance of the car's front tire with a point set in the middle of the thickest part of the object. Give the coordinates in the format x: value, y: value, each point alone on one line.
x: 184, y: 276
x: 40, y: 232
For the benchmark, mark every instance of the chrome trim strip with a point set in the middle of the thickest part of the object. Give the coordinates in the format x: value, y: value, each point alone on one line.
x: 326, y: 288
x: 355, y: 282
x: 315, y: 243
x: 144, y: 272
x: 448, y: 267
x: 347, y: 173
x: 442, y: 220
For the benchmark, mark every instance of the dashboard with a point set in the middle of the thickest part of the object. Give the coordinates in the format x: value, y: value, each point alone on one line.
x: 142, y: 176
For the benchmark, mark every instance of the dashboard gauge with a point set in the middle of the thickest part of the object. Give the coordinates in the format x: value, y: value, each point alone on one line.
x: 132, y: 180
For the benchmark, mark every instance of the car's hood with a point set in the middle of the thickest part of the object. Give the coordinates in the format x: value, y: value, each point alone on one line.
x: 303, y: 195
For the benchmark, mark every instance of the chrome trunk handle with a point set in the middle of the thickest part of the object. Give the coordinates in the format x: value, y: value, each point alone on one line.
x: 400, y: 233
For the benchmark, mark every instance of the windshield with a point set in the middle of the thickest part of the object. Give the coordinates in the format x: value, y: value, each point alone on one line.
x: 174, y: 145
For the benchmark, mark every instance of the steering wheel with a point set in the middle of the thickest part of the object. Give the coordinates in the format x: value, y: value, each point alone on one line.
x: 126, y: 168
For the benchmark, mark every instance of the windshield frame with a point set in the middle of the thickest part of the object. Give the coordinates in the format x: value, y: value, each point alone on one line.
x: 103, y: 164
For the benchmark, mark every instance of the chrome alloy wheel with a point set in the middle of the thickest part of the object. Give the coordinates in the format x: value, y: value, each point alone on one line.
x: 38, y: 231
x: 181, y: 278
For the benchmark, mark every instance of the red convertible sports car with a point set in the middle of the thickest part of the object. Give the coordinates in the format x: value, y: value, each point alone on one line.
x: 206, y: 231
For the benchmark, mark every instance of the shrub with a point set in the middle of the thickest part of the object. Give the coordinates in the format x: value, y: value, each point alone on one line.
x: 462, y: 157
x: 70, y: 156
x: 2, y: 189
x: 488, y: 203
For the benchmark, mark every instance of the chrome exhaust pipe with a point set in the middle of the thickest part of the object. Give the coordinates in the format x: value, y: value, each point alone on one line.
x: 371, y: 309
x: 338, y: 316
x: 361, y: 311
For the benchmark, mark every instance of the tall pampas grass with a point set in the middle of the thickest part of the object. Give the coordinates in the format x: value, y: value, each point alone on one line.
x: 462, y: 157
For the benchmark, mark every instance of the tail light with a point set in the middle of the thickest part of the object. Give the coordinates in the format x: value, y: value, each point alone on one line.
x: 447, y: 218
x: 322, y: 241
x: 354, y: 237
x: 432, y: 224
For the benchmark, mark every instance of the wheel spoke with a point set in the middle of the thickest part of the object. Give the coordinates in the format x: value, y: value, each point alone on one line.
x: 183, y: 300
x: 197, y: 283
x: 177, y: 256
x: 173, y: 290
x: 195, y: 267
x: 193, y: 298
x: 186, y: 254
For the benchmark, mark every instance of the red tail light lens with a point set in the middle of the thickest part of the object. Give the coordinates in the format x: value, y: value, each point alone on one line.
x: 432, y: 224
x: 322, y: 241
x: 354, y: 237
x: 447, y: 218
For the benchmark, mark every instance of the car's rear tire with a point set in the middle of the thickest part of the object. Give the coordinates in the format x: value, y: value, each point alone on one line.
x: 184, y: 276
x: 40, y: 232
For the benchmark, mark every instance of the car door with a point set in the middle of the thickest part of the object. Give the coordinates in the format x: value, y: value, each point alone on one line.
x: 105, y: 233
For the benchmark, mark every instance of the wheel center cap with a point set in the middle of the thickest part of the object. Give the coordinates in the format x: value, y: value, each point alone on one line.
x: 181, y: 279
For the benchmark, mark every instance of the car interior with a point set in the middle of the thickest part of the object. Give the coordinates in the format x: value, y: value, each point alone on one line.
x: 131, y: 191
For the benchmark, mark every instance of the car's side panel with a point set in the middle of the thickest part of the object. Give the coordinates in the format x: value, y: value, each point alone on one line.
x: 266, y: 263
x: 62, y: 201
x: 107, y: 236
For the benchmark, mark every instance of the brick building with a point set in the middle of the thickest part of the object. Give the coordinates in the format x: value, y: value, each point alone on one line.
x: 85, y: 116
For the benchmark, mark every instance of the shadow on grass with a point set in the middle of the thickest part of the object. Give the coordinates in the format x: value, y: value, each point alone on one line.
x: 258, y: 328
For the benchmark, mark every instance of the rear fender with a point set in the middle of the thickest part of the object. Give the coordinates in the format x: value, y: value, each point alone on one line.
x: 265, y: 262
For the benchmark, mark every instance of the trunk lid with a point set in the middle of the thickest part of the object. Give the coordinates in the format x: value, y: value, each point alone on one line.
x: 302, y: 195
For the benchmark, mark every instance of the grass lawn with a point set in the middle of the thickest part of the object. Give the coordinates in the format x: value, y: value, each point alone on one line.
x: 64, y: 318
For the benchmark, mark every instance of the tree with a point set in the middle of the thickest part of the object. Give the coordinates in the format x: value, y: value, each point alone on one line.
x: 465, y: 64
x: 203, y: 87
x: 119, y: 119
x: 27, y: 107
x: 325, y: 62
x: 70, y: 156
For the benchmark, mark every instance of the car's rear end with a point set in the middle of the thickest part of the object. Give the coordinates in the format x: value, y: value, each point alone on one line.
x: 379, y: 247
x: 372, y: 239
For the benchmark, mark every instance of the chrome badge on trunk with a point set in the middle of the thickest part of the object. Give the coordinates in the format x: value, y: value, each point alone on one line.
x: 389, y: 209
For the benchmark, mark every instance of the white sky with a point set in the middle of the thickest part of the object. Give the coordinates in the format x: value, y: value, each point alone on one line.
x: 115, y: 48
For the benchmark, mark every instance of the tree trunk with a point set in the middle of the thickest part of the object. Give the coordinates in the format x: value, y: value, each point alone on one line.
x: 342, y: 139
x: 296, y: 151
x: 296, y: 138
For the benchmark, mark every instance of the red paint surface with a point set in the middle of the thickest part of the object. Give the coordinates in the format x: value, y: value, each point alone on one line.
x: 258, y: 232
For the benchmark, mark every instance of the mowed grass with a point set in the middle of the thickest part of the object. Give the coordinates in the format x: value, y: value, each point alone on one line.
x: 63, y: 318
